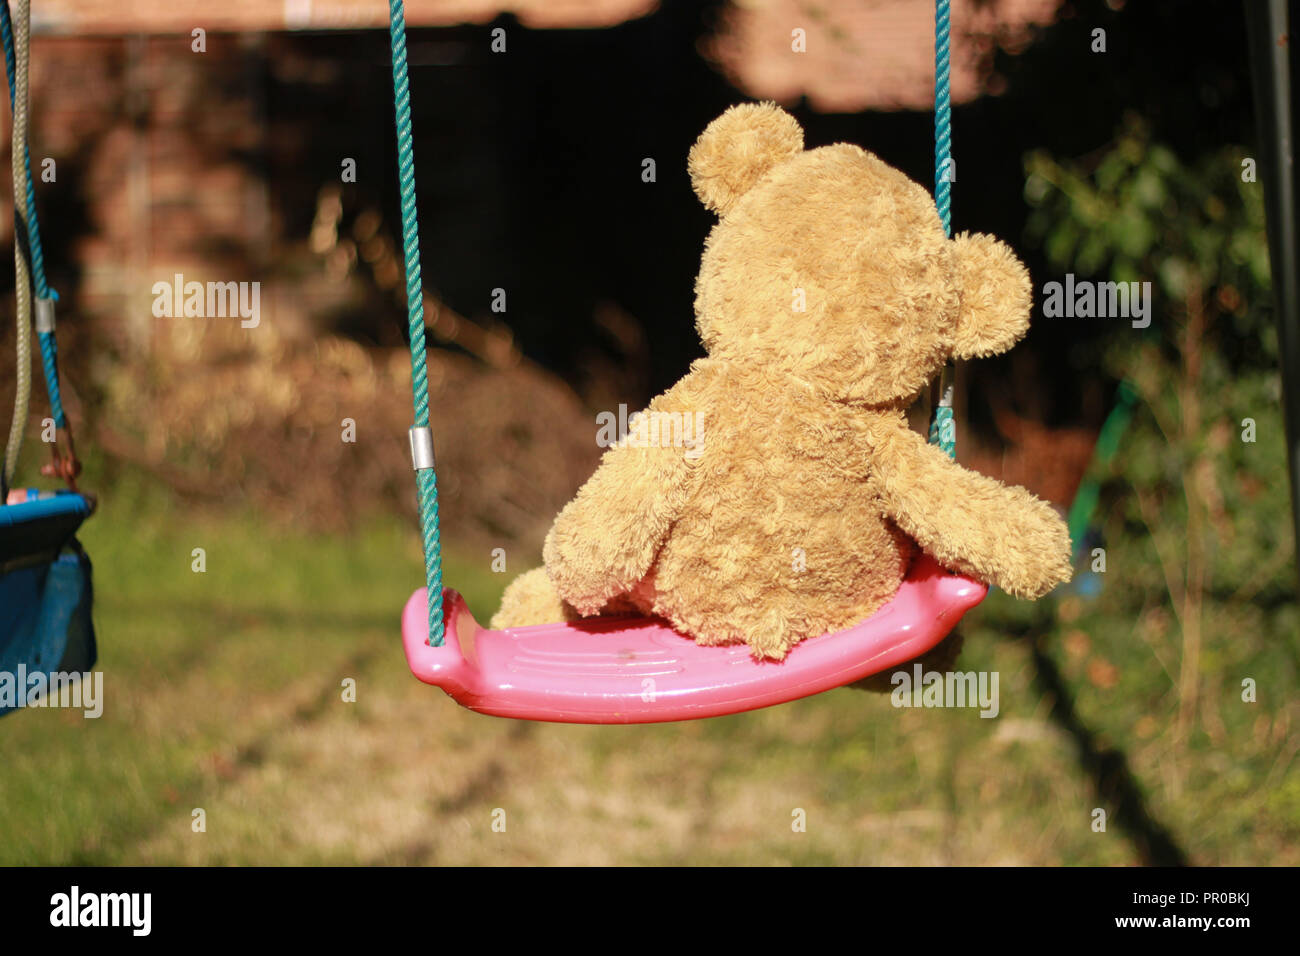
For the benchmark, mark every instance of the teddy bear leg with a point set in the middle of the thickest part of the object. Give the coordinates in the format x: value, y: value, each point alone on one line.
x: 531, y: 599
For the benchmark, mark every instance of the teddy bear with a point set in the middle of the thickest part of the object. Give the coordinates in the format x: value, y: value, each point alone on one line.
x: 776, y: 492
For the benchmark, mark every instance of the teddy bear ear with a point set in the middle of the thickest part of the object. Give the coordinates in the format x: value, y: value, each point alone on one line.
x: 996, y: 297
x: 738, y: 148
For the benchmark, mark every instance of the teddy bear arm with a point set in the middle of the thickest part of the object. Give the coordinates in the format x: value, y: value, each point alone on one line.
x: 605, y: 540
x: 971, y: 523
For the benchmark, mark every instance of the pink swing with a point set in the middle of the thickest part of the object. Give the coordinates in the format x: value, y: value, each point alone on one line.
x: 637, y: 670
x: 625, y: 670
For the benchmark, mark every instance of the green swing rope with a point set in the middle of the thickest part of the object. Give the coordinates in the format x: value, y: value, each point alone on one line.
x: 1108, y: 440
x: 943, y: 429
x: 426, y: 481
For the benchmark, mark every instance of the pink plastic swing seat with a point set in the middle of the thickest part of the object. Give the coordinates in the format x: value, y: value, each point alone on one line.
x: 637, y: 670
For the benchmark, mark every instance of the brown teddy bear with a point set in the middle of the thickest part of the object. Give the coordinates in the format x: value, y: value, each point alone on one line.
x: 776, y: 492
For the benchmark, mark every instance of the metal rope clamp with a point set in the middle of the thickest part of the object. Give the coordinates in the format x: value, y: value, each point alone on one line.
x: 65, y: 465
x: 44, y: 315
x: 421, y: 447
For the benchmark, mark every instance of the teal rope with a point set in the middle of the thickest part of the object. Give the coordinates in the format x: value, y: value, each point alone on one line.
x: 50, y: 366
x: 943, y: 427
x: 32, y: 239
x: 942, y: 117
x: 943, y: 430
x: 1108, y: 439
x: 426, y: 481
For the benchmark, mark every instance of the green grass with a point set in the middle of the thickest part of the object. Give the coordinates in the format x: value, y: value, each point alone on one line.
x: 224, y: 692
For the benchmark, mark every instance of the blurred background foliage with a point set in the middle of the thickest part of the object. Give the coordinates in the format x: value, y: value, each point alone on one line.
x: 1199, y: 562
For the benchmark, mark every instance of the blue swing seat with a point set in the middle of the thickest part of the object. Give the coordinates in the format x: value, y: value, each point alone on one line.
x: 45, y: 587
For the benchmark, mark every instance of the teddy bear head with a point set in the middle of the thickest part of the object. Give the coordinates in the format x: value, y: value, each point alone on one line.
x: 831, y: 266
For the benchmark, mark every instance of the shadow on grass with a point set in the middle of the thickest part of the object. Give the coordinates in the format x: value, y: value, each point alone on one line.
x: 1107, y: 767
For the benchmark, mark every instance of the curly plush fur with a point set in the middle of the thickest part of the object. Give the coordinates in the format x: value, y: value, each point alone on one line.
x: 827, y: 298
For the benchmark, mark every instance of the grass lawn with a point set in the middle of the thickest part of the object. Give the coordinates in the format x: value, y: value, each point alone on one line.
x: 224, y: 692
